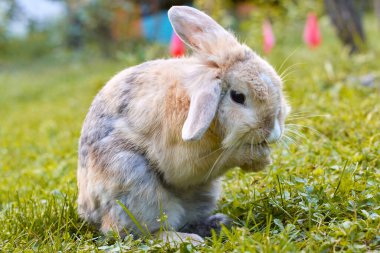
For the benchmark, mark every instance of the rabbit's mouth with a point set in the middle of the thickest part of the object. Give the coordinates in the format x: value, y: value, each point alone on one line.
x: 256, y: 164
x: 258, y: 151
x: 263, y: 150
x: 261, y: 145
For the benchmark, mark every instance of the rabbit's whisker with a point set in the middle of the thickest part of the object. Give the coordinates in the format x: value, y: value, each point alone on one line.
x: 217, y: 162
x: 287, y: 58
x: 293, y: 66
x: 305, y: 114
x: 297, y: 133
x: 289, y: 139
x: 252, y: 146
x: 287, y: 72
x: 296, y: 117
x: 225, y: 154
x: 211, y: 153
x: 315, y: 131
x: 283, y: 77
x: 282, y: 141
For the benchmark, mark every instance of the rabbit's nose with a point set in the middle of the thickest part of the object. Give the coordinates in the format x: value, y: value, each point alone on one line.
x: 275, y: 133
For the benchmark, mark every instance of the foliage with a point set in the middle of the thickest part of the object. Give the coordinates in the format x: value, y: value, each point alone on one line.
x: 321, y: 193
x: 277, y: 9
x: 97, y: 16
x: 8, y: 11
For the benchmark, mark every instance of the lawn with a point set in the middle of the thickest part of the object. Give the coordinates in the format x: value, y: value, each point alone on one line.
x: 320, y: 194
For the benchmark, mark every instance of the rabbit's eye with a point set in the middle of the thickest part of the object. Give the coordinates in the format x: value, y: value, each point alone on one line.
x: 237, y: 97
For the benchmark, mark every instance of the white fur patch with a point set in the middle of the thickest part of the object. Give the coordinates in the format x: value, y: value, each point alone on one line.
x: 275, y: 133
x: 266, y: 79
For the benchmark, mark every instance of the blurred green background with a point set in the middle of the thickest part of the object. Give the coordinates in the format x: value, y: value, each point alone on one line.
x: 30, y: 29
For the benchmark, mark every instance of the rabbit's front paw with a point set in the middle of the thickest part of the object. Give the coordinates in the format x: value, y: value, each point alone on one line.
x: 204, y: 227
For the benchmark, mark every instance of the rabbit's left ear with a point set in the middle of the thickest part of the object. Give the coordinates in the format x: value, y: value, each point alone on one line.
x: 198, y: 30
x: 203, y: 106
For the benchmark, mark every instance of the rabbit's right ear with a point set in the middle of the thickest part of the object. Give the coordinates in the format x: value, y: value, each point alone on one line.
x: 203, y: 106
x: 196, y: 29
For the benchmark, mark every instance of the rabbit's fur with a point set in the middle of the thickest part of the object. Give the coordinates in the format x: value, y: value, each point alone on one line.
x: 159, y: 135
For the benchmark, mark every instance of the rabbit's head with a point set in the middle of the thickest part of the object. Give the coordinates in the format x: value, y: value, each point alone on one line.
x: 233, y: 91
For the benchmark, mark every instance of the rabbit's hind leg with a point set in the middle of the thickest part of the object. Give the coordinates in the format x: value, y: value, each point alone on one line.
x: 139, y: 199
x: 120, y: 191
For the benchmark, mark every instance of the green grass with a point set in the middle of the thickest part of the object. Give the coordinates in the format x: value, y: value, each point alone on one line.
x: 321, y: 193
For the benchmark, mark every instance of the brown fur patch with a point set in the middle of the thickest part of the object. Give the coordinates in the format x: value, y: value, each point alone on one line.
x: 177, y: 104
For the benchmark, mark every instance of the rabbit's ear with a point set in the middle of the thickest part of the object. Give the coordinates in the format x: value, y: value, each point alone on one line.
x: 203, y: 106
x: 196, y: 29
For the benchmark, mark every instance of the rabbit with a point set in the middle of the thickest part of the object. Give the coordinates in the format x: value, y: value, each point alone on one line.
x: 159, y: 136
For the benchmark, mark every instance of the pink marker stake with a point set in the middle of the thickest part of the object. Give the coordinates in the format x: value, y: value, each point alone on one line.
x: 312, y: 34
x: 177, y: 47
x: 269, y: 39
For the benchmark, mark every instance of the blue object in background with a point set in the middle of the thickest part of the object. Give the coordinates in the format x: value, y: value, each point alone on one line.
x: 157, y: 27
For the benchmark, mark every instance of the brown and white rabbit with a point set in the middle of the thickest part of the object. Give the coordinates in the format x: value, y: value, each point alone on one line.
x: 159, y: 135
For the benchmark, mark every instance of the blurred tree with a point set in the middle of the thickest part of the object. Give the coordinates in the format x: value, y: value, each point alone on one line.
x: 376, y: 6
x: 346, y: 18
x: 93, y: 20
x: 271, y: 8
x: 9, y: 10
x: 97, y: 17
x: 149, y: 7
x: 75, y: 30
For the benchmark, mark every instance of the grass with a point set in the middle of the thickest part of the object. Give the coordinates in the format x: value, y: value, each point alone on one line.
x: 321, y: 193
